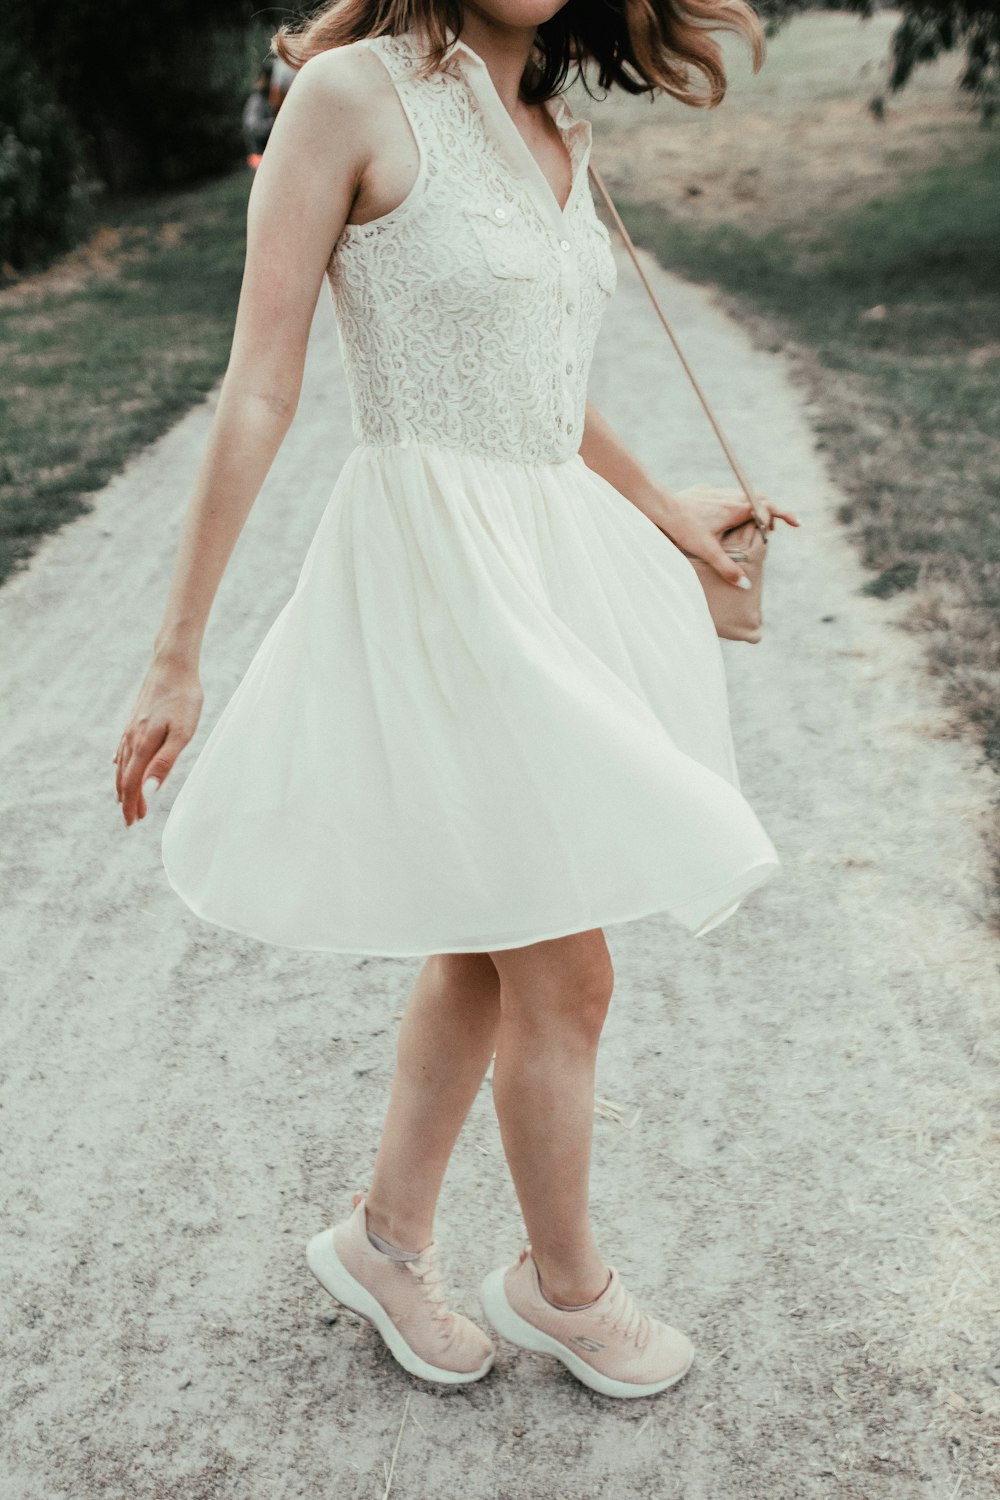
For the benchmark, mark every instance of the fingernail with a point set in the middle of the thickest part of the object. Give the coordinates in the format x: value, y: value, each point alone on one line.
x: 744, y: 582
x: 149, y: 787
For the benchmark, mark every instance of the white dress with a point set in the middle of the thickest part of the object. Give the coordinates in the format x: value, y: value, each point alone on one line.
x: 494, y: 709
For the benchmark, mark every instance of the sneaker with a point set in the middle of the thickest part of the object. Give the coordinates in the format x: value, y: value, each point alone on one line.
x: 404, y: 1300
x: 610, y: 1346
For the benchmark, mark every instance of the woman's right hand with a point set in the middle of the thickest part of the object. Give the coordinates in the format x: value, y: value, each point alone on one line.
x: 164, y: 719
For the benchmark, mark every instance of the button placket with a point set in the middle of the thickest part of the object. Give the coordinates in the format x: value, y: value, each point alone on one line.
x: 564, y: 223
x: 570, y: 288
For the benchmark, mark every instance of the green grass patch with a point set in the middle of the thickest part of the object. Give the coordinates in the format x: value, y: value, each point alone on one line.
x: 106, y: 351
x: 900, y: 303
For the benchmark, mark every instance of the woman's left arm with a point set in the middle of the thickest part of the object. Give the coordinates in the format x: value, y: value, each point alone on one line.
x: 694, y: 519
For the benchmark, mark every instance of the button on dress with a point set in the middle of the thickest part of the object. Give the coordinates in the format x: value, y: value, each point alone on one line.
x: 494, y: 709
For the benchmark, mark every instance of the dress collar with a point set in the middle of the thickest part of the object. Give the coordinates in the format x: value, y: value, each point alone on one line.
x: 576, y: 132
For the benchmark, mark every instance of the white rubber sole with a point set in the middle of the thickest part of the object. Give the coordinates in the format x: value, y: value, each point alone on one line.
x: 518, y: 1331
x: 334, y: 1277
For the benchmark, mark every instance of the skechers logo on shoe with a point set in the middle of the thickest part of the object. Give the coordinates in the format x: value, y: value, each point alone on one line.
x: 582, y: 1342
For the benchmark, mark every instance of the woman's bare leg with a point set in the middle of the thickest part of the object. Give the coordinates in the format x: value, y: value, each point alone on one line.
x: 446, y: 1039
x: 554, y: 998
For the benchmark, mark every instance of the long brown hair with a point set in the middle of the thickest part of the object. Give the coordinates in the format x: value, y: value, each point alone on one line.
x: 641, y: 46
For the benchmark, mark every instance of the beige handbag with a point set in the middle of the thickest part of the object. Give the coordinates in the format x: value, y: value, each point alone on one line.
x: 735, y: 611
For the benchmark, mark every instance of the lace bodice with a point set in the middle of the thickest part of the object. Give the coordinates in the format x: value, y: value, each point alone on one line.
x: 467, y: 316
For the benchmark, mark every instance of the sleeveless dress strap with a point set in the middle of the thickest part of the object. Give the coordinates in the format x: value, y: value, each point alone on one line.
x: 396, y: 56
x: 399, y: 63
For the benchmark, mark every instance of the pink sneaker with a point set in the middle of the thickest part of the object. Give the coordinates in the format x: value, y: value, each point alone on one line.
x: 610, y: 1346
x: 404, y: 1300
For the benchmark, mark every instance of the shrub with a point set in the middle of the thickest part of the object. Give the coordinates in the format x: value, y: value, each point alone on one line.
x: 153, y: 89
x: 41, y: 192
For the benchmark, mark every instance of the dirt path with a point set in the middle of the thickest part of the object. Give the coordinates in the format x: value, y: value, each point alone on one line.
x: 808, y: 1187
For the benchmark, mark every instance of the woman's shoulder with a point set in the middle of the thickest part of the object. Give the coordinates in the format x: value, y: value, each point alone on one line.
x: 344, y: 72
x: 341, y: 88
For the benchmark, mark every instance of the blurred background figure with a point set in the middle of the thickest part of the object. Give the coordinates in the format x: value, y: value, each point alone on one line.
x: 261, y: 105
x: 282, y: 78
x: 258, y: 114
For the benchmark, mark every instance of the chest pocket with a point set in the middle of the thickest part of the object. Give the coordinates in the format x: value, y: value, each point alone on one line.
x: 503, y: 236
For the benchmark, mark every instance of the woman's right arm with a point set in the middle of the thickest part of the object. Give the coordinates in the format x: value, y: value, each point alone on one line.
x: 299, y: 202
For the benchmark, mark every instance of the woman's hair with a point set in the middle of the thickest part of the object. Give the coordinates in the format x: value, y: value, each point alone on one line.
x: 641, y: 46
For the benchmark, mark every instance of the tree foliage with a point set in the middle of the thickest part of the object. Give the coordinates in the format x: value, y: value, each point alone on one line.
x: 39, y: 161
x: 148, y: 86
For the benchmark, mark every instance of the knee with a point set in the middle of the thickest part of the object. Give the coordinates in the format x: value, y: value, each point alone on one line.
x: 572, y: 994
x: 588, y: 996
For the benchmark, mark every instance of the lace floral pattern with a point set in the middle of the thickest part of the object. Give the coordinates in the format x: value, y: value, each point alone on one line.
x: 467, y: 317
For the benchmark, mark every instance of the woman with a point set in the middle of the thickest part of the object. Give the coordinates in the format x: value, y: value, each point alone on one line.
x: 492, y: 717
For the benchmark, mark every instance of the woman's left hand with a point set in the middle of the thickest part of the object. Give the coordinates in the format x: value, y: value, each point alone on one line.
x: 695, y: 519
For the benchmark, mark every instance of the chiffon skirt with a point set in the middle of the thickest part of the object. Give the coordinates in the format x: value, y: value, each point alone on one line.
x: 493, y: 711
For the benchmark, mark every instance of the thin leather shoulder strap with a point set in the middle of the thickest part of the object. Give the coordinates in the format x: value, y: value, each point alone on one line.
x: 734, y: 462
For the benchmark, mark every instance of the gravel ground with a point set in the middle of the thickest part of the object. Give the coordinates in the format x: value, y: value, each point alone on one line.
x: 802, y: 1169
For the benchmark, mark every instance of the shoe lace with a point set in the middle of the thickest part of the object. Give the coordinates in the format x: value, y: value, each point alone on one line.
x: 622, y: 1314
x: 429, y: 1271
x: 625, y: 1317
